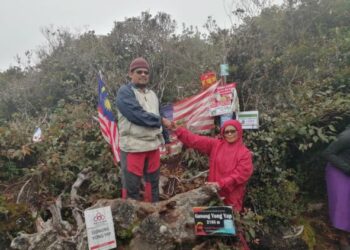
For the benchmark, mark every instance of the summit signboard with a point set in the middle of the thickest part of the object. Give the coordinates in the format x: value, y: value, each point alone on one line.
x: 100, y: 228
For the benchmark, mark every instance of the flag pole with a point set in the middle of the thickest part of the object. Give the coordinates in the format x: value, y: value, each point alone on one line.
x: 100, y: 74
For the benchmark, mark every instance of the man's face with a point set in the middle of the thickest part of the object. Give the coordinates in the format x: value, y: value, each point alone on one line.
x: 139, y: 76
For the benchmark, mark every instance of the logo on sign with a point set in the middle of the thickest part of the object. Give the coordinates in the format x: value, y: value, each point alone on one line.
x: 99, y: 218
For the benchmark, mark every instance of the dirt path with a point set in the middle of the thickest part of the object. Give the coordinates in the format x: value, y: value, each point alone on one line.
x: 326, y: 236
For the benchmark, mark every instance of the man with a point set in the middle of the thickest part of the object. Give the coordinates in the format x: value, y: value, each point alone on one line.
x: 141, y: 133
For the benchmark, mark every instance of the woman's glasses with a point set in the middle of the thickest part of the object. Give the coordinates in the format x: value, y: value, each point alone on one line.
x: 140, y: 72
x: 230, y: 132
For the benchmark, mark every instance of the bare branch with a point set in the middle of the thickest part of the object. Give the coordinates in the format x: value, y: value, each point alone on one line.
x: 84, y: 175
x: 22, y: 189
x: 204, y: 173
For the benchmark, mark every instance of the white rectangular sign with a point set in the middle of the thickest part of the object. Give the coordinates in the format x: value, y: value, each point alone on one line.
x: 100, y: 228
x: 249, y: 119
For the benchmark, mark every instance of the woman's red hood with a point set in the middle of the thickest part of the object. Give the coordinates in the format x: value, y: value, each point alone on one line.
x: 238, y: 127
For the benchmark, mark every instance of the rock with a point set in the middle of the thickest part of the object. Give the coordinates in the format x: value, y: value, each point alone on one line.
x: 48, y: 239
x: 148, y: 226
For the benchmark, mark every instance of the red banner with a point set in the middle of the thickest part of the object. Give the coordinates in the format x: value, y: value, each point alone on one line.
x: 208, y: 79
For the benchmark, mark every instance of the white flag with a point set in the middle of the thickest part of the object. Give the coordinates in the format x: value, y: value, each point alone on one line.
x: 37, y: 135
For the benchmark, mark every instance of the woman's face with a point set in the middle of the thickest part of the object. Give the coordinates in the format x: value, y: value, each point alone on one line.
x: 230, y: 134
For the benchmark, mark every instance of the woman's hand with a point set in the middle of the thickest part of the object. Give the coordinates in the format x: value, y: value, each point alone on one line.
x: 215, y: 184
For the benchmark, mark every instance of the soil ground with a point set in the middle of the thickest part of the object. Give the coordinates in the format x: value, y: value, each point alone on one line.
x: 326, y: 236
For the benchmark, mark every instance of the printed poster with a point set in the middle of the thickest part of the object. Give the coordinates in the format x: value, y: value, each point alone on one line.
x: 249, y: 119
x: 100, y: 228
x: 223, y: 98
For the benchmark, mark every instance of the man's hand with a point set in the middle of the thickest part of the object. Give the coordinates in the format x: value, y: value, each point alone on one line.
x: 168, y: 149
x: 167, y: 123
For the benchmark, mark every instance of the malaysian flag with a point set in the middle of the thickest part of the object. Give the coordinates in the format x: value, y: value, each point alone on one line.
x: 194, y: 111
x: 106, y: 119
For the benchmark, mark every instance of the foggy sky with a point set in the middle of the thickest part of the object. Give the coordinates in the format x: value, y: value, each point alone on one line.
x: 21, y: 21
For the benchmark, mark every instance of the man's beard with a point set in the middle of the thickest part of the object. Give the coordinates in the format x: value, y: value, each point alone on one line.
x: 140, y: 85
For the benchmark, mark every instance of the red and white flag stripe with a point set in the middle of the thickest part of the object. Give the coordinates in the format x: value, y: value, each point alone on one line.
x: 110, y: 133
x: 194, y: 111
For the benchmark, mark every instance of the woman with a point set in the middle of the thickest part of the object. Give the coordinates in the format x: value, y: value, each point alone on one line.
x: 230, y: 162
x: 338, y: 184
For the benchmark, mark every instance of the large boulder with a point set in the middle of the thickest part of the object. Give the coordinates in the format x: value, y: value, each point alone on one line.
x: 162, y: 225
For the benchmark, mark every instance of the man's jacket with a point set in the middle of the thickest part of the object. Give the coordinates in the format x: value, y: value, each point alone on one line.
x: 139, y: 120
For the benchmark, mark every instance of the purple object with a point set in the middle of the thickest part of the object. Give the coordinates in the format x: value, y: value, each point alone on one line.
x: 167, y: 111
x: 338, y: 189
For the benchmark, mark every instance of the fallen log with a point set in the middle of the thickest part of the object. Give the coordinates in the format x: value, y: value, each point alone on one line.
x: 56, y: 233
x: 162, y: 225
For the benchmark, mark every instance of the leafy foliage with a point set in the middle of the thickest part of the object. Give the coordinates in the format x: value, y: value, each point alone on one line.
x: 14, y: 218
